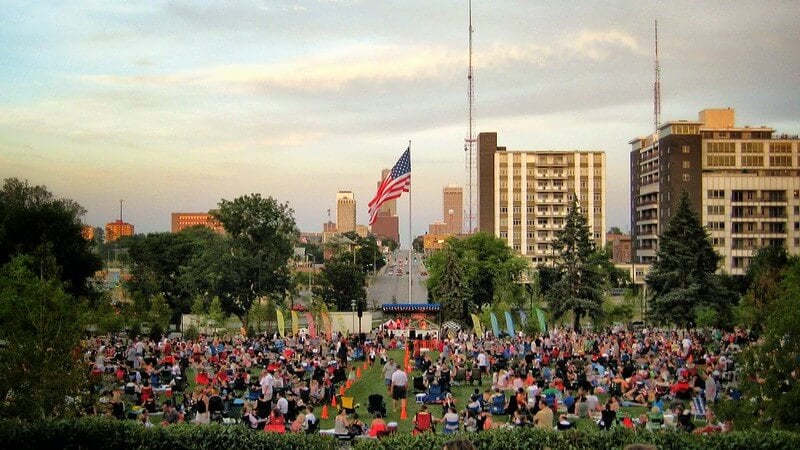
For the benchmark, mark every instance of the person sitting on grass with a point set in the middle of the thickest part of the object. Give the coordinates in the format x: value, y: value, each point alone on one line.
x: 378, y: 426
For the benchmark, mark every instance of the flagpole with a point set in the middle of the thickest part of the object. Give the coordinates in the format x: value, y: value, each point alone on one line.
x: 410, y: 237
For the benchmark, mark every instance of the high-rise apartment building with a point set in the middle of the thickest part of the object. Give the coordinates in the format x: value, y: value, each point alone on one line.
x: 184, y: 220
x: 453, y: 209
x: 523, y: 195
x: 345, y: 211
x: 744, y: 182
x: 117, y: 229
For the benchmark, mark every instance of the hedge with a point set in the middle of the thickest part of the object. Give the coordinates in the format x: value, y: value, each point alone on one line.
x: 99, y: 432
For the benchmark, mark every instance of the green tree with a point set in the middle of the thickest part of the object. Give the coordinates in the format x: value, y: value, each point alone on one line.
x: 41, y: 326
x: 682, y: 278
x: 161, y: 264
x: 216, y: 314
x: 390, y: 243
x: 490, y: 268
x: 367, y: 253
x: 581, y: 286
x: 763, y: 276
x: 32, y: 218
x: 451, y: 289
x: 769, y: 382
x: 417, y: 244
x: 254, y: 260
x: 339, y: 283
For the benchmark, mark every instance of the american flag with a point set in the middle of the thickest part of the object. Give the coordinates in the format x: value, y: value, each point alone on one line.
x: 397, y: 182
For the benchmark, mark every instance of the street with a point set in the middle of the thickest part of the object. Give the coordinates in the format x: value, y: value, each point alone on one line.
x: 385, y: 287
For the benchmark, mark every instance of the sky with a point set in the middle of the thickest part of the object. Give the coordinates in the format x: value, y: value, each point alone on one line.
x: 174, y: 105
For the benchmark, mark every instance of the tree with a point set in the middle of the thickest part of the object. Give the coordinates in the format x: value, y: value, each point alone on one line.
x: 682, y: 278
x: 341, y: 282
x: 491, y: 270
x: 160, y: 265
x: 32, y: 218
x: 417, y: 244
x: 763, y: 276
x: 581, y: 285
x: 254, y: 260
x: 390, y: 243
x: 614, y: 230
x: 367, y: 253
x: 40, y: 324
x: 769, y: 382
x: 452, y: 290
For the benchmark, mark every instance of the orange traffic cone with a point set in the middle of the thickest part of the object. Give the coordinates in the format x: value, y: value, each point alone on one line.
x: 333, y: 401
x: 403, y: 412
x: 348, y: 384
x: 365, y: 365
x: 341, y: 389
x: 325, y: 411
x: 358, y: 372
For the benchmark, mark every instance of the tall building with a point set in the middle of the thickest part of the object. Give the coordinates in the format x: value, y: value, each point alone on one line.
x: 117, y: 229
x: 183, y: 220
x: 345, y: 211
x: 453, y: 208
x: 438, y: 228
x: 524, y: 195
x: 744, y: 182
x: 389, y: 207
x: 620, y: 247
x: 387, y: 224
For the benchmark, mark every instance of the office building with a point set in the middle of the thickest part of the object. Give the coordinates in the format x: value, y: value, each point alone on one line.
x: 345, y: 211
x: 117, y: 229
x: 620, y: 247
x: 743, y: 182
x: 453, y: 208
x: 386, y: 227
x: 387, y: 224
x: 524, y: 195
x: 184, y: 220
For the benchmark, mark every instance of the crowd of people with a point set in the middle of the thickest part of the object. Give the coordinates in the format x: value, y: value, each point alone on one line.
x: 548, y: 381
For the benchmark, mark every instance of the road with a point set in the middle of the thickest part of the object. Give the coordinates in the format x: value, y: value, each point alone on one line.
x: 385, y: 287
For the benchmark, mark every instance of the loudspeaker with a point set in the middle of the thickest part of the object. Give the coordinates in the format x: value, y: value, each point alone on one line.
x: 412, y: 334
x: 360, y: 309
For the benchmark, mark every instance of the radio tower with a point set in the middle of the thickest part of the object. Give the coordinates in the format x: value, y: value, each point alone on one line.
x: 469, y: 142
x: 657, y: 90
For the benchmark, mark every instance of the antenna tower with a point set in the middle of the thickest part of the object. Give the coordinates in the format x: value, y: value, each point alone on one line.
x: 120, y: 210
x: 657, y: 88
x: 470, y: 150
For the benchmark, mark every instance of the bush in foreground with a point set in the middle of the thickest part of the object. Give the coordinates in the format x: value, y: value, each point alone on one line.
x: 113, y: 434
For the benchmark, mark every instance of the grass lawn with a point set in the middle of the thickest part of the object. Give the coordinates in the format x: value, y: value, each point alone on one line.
x: 371, y: 382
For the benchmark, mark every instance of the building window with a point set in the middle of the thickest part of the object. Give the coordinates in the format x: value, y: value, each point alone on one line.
x: 684, y: 148
x: 517, y: 210
x: 718, y: 241
x: 503, y: 184
x: 720, y: 147
x: 504, y: 234
x: 715, y: 210
x: 752, y: 147
x: 503, y: 210
x: 517, y: 222
x: 716, y: 226
x: 685, y: 164
x: 686, y: 177
x: 780, y: 147
x: 503, y: 172
x: 529, y: 209
x: 503, y: 222
x: 752, y: 161
x: 598, y: 209
x: 780, y: 161
x: 716, y: 194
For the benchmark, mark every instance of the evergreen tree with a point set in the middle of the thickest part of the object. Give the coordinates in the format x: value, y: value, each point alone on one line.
x: 452, y: 291
x: 682, y: 279
x: 580, y: 287
x: 763, y: 276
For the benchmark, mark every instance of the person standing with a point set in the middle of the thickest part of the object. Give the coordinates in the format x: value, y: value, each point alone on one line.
x: 398, y: 387
x: 388, y: 370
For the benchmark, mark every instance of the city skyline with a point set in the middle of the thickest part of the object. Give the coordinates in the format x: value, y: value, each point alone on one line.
x: 173, y: 106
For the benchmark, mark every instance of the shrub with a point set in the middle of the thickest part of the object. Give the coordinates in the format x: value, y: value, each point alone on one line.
x: 102, y: 432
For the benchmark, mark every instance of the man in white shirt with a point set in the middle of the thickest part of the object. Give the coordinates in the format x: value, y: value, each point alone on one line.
x: 282, y: 404
x: 399, y: 387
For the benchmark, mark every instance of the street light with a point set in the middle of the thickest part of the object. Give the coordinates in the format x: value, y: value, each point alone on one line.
x: 353, y: 305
